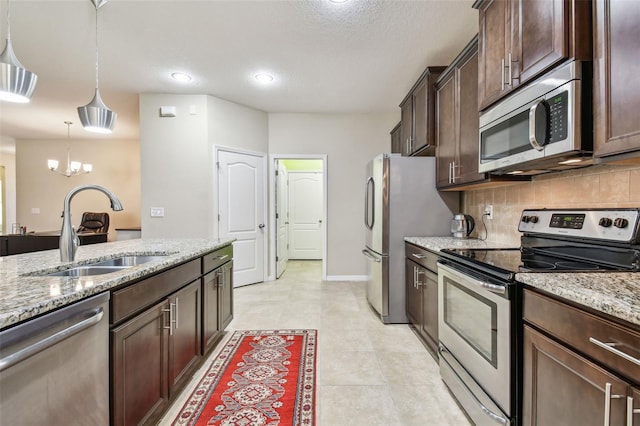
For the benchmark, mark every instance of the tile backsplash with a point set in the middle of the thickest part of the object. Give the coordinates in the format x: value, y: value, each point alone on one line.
x: 595, y: 186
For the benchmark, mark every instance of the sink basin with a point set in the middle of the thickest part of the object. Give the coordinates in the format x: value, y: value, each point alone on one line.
x: 128, y: 261
x: 83, y: 271
x: 106, y: 266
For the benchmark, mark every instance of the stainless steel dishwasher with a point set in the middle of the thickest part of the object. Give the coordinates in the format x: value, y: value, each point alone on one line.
x: 55, y: 369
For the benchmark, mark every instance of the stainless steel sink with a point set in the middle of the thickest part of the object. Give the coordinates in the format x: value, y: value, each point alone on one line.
x: 128, y: 261
x: 82, y: 271
x: 105, y: 266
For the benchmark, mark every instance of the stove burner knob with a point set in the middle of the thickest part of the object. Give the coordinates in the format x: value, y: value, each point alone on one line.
x: 526, y: 219
x: 605, y: 222
x: 533, y: 219
x: 620, y: 222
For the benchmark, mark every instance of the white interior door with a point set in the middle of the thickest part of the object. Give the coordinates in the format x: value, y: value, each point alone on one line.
x: 242, y: 212
x: 282, y: 218
x: 305, y: 215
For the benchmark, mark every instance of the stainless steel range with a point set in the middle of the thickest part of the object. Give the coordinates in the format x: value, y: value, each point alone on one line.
x: 479, y: 299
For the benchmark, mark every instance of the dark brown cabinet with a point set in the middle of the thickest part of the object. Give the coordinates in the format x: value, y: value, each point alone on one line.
x: 396, y: 140
x: 160, y: 328
x: 616, y: 69
x: 568, y: 378
x: 457, y: 121
x: 421, y: 281
x: 519, y: 40
x: 417, y: 109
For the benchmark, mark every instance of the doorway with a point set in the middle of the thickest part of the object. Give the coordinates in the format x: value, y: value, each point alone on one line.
x: 298, y: 200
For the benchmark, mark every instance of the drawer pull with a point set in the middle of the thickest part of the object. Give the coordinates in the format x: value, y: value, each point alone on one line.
x: 222, y: 257
x: 610, y: 347
x: 418, y: 255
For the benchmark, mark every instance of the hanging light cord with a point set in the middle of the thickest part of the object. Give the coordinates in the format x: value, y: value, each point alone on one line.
x: 97, y: 68
x: 68, y: 123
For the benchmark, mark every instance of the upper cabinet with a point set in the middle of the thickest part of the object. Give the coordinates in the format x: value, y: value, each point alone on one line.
x: 616, y: 69
x: 417, y: 124
x: 396, y: 140
x: 519, y: 39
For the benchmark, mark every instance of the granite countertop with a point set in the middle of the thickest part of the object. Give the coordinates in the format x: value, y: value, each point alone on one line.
x: 438, y: 243
x: 24, y: 293
x: 613, y: 293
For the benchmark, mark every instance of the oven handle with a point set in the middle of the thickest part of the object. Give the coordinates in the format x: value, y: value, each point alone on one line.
x: 499, y: 289
x: 493, y: 416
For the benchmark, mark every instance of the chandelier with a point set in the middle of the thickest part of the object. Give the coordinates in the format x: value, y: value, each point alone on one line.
x: 73, y: 167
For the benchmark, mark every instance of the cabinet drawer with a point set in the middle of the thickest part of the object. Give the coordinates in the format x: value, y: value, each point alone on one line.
x: 421, y: 256
x: 576, y: 327
x: 148, y: 291
x: 216, y: 258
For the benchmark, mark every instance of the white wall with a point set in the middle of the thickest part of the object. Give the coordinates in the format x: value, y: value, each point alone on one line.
x: 349, y: 141
x: 177, y: 158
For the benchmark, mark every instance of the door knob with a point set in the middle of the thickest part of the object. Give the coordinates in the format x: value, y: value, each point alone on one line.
x: 261, y: 226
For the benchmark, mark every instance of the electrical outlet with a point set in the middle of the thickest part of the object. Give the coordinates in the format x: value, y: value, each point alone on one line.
x: 157, y: 211
x: 488, y: 211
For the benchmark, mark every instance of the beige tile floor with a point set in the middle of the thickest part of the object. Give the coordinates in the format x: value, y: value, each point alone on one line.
x: 368, y: 373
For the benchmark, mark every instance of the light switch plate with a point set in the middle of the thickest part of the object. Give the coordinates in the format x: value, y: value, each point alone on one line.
x: 157, y: 211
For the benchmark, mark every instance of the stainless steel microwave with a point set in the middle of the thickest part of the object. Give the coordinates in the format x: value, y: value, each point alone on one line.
x: 544, y: 126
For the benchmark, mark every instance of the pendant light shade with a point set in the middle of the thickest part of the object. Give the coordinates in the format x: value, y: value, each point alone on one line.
x: 16, y: 82
x: 96, y: 116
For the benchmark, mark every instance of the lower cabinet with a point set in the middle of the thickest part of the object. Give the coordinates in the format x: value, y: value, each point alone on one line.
x: 422, y: 294
x: 160, y: 328
x: 152, y: 354
x: 569, y: 380
x: 217, y: 300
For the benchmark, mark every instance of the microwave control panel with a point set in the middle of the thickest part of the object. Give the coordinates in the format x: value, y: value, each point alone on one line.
x: 558, y: 117
x: 620, y: 225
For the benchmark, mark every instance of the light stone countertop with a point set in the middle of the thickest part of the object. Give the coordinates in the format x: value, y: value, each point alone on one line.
x: 24, y: 295
x: 613, y: 293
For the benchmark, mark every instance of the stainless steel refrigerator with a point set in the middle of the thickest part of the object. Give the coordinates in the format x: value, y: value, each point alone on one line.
x: 400, y: 200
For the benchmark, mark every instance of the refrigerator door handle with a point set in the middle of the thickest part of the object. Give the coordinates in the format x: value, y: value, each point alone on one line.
x: 371, y: 256
x: 368, y: 203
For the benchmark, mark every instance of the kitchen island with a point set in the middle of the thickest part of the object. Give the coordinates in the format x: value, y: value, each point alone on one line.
x: 156, y: 310
x: 26, y: 292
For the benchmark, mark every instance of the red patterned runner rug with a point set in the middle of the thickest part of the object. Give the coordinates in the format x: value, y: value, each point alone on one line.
x: 260, y: 377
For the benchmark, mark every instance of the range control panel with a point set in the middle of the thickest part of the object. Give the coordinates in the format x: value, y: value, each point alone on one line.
x: 619, y: 225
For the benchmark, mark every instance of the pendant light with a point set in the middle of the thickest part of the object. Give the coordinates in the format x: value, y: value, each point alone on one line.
x: 16, y: 82
x: 96, y: 116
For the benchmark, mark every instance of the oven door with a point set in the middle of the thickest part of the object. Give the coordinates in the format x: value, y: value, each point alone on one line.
x: 474, y: 320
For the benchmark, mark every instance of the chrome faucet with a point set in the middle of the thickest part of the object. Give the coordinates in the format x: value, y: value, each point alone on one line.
x: 69, y: 241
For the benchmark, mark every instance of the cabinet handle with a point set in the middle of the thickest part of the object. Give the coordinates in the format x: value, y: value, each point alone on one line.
x: 607, y: 403
x: 610, y: 347
x: 170, y: 326
x: 418, y: 255
x: 176, y: 314
x: 450, y: 174
x: 418, y: 282
x: 510, y: 80
x: 453, y: 171
x: 222, y: 257
x: 631, y: 411
x: 415, y: 278
x: 502, y: 74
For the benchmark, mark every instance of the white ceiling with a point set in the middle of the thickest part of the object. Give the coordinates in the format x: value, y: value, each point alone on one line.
x: 354, y: 57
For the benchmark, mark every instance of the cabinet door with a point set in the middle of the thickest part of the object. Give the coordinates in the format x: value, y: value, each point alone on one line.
x: 406, y: 125
x: 446, y: 130
x: 616, y: 70
x: 210, y: 329
x: 225, y: 296
x: 429, y: 286
x: 494, y: 38
x: 468, y: 120
x: 139, y: 382
x: 562, y: 388
x: 413, y: 295
x: 396, y: 140
x: 542, y: 37
x: 420, y: 113
x: 185, y: 341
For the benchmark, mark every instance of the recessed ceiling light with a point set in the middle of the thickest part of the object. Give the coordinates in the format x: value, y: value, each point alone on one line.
x: 264, y: 77
x: 181, y: 77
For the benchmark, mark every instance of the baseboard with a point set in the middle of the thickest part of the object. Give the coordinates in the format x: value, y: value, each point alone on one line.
x: 346, y: 277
